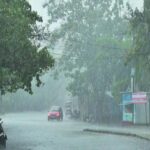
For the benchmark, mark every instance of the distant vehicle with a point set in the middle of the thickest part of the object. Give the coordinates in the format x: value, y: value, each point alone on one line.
x: 3, y: 136
x: 68, y: 108
x: 56, y: 113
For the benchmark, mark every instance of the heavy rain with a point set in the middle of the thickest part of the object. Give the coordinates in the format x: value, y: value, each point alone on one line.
x: 74, y: 74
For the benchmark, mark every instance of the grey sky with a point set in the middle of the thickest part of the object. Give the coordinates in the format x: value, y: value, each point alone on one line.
x: 37, y: 5
x: 136, y: 3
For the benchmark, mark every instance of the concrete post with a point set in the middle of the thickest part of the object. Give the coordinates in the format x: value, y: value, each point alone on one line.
x: 132, y: 91
x: 0, y: 101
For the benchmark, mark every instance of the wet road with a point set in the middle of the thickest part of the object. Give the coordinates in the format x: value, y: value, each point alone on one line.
x: 32, y: 131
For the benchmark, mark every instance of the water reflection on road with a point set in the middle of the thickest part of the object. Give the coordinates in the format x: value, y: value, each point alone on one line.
x: 32, y: 131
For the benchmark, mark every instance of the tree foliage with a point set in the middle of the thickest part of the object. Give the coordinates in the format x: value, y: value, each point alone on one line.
x: 21, y: 57
x: 95, y: 37
x: 139, y: 54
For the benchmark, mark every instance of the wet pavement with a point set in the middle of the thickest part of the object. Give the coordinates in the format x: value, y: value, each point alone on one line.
x: 32, y: 131
x: 138, y: 131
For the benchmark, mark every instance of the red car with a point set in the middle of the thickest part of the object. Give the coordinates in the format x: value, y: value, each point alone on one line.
x: 55, y: 112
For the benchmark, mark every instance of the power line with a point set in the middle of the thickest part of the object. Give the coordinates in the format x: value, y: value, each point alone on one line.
x: 77, y: 58
x: 108, y: 47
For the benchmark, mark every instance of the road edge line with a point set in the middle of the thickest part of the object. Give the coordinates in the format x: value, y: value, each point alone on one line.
x: 117, y: 133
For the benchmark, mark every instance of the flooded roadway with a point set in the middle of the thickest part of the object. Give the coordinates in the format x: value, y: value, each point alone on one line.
x: 32, y: 131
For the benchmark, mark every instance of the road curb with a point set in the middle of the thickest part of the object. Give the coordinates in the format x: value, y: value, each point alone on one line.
x: 117, y: 133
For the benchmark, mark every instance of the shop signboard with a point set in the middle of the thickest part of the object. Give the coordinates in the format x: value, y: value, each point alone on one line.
x: 139, y: 98
x: 126, y: 98
x: 127, y: 117
x: 134, y: 98
x: 127, y: 111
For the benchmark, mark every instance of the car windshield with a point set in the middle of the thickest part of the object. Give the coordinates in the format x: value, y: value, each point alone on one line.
x: 75, y: 74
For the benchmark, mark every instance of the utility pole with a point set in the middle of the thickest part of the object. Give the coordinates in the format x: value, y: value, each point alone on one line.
x: 132, y: 79
x: 0, y: 101
x: 132, y: 90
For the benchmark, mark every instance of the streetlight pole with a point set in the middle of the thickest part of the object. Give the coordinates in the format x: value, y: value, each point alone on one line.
x: 132, y: 90
x: 132, y: 79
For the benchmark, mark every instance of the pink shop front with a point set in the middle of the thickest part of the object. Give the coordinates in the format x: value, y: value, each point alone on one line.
x: 135, y: 108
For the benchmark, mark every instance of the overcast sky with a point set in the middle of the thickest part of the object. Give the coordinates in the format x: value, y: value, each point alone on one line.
x: 37, y: 5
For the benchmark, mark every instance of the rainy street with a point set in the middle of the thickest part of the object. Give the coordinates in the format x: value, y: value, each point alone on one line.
x: 32, y: 131
x: 88, y: 59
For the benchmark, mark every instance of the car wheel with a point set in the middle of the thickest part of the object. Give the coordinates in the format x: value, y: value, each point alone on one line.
x: 4, y: 143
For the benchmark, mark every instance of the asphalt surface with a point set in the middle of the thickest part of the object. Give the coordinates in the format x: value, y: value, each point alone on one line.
x: 32, y: 131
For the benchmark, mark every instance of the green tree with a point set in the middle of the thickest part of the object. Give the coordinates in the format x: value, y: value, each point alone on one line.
x: 94, y: 34
x: 139, y: 54
x: 21, y: 56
